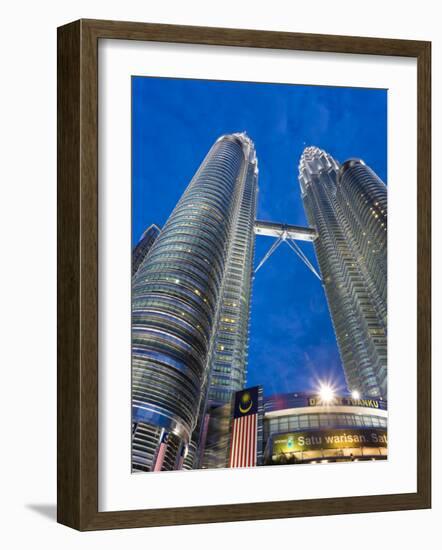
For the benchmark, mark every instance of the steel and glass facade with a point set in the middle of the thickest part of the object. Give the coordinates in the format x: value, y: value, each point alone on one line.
x: 347, y: 205
x: 181, y: 295
x: 143, y: 246
x: 228, y: 363
x: 363, y: 198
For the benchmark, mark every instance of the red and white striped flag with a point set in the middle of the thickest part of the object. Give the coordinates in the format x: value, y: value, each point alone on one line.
x: 244, y: 438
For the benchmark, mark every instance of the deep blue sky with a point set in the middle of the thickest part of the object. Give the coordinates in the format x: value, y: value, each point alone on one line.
x: 176, y: 121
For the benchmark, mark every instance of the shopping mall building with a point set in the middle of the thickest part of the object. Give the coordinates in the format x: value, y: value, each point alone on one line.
x: 301, y: 427
x: 305, y: 428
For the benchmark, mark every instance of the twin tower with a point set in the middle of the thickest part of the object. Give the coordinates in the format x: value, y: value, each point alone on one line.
x: 191, y: 292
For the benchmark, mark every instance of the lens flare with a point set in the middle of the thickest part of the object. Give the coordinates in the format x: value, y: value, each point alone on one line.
x: 326, y: 393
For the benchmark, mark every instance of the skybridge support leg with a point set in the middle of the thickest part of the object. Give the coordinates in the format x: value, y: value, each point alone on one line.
x: 297, y: 250
x: 269, y: 253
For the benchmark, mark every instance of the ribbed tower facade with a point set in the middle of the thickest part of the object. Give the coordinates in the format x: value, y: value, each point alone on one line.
x: 143, y: 246
x: 177, y: 297
x: 348, y: 207
x: 230, y: 351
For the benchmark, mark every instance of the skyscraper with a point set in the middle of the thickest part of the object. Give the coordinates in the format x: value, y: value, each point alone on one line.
x: 182, y: 295
x: 143, y: 246
x: 230, y: 350
x: 348, y: 207
x: 363, y: 197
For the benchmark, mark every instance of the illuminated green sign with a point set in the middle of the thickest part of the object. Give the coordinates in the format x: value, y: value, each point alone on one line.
x: 329, y: 439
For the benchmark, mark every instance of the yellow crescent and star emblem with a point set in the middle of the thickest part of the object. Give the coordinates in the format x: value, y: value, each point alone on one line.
x: 246, y: 403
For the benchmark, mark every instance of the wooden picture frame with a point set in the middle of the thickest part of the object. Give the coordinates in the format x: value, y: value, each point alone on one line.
x: 78, y: 274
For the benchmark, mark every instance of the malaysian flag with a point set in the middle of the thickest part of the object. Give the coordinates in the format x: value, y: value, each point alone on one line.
x: 161, y: 452
x: 243, y: 444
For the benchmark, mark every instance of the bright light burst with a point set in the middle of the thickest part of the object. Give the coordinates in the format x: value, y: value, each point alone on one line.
x: 326, y: 393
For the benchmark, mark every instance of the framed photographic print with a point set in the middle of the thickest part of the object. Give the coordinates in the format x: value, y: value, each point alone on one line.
x: 244, y: 333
